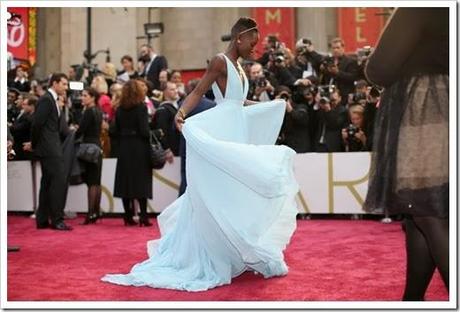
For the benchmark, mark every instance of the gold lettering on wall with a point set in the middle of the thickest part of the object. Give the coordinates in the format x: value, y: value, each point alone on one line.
x: 272, y: 16
x: 359, y: 35
x: 165, y: 181
x: 348, y: 184
x: 106, y: 192
x: 360, y: 15
x: 303, y: 202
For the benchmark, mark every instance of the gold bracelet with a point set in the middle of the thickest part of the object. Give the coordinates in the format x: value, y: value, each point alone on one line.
x: 182, y: 113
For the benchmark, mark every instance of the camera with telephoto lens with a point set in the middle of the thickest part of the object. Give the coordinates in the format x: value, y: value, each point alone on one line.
x: 302, y: 45
x: 375, y: 91
x: 301, y: 92
x: 277, y: 53
x: 285, y: 96
x: 364, y: 51
x: 310, y: 89
x: 278, y: 56
x: 261, y: 82
x: 325, y: 93
x: 358, y: 97
x: 352, y: 130
x: 328, y: 61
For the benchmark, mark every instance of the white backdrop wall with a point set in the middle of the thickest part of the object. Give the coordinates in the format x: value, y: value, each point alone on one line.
x: 329, y: 183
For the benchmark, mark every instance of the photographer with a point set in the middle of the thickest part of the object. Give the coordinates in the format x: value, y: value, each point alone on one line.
x: 277, y: 64
x: 362, y: 55
x: 295, y: 131
x: 339, y: 69
x: 307, y: 59
x: 306, y: 95
x: 270, y: 43
x: 283, y: 65
x: 260, y: 88
x: 332, y: 116
x: 360, y: 94
x: 370, y: 110
x: 354, y: 137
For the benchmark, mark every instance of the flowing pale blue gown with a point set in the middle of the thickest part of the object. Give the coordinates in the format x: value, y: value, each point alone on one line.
x: 239, y: 210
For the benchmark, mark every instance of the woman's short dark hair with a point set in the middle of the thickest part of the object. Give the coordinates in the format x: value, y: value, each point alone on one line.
x: 132, y: 94
x: 92, y: 93
x: 127, y: 57
x: 243, y: 24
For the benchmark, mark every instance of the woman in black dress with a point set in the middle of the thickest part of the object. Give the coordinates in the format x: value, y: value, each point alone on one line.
x: 133, y: 177
x: 410, y: 164
x: 89, y: 130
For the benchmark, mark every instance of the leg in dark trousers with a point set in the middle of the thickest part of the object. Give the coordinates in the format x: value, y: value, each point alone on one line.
x: 436, y: 232
x: 143, y: 220
x: 52, y: 191
x: 58, y: 192
x: 129, y: 211
x: 420, y: 264
x: 42, y: 213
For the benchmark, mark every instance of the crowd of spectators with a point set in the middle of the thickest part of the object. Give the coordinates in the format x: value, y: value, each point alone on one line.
x: 330, y: 104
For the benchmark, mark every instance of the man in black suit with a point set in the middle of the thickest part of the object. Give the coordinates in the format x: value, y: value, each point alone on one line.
x: 295, y: 131
x: 153, y: 65
x: 46, y: 145
x: 21, y: 128
x: 340, y: 70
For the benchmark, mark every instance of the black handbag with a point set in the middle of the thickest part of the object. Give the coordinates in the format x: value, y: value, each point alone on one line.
x: 89, y: 152
x: 157, y: 153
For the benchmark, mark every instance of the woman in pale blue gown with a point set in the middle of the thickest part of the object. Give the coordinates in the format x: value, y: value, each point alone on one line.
x: 238, y: 212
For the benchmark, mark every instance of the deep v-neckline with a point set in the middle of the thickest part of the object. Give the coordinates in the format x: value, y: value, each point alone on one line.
x: 241, y: 79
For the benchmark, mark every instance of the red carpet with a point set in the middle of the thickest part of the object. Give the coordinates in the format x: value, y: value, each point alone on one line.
x: 328, y: 260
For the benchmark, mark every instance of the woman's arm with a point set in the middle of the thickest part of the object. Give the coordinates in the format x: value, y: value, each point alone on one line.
x: 215, y: 68
x: 249, y: 102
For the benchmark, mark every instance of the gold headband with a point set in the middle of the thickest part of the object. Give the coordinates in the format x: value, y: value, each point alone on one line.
x: 248, y: 30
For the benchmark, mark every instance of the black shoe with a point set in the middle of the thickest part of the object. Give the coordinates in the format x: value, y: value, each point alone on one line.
x: 61, y: 226
x: 13, y: 248
x: 144, y: 222
x: 129, y: 221
x: 43, y: 226
x: 91, y: 219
